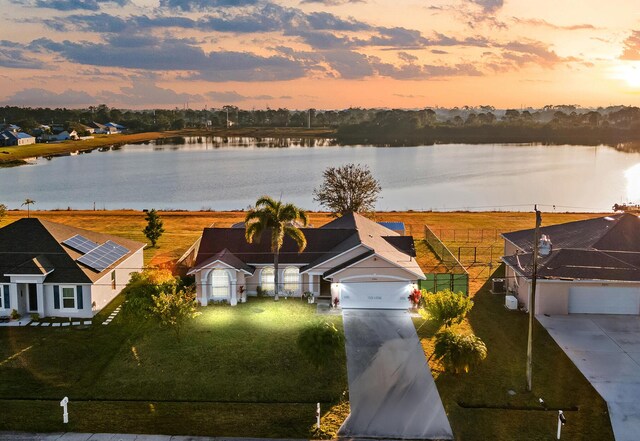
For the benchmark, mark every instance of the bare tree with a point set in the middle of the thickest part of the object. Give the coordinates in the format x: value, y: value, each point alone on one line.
x: 348, y: 189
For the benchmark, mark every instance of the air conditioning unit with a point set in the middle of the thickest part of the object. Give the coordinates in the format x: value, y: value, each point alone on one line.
x: 511, y: 302
x: 498, y: 286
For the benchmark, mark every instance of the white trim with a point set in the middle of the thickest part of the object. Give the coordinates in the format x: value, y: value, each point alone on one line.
x: 376, y: 276
x: 75, y: 298
x: 2, y: 305
x: 209, y: 266
x: 336, y: 256
x: 420, y: 276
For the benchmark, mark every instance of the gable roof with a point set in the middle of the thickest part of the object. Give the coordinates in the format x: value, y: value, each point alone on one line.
x: 34, y: 246
x: 324, y: 243
x: 604, y: 248
x: 227, y: 257
x: 617, y: 232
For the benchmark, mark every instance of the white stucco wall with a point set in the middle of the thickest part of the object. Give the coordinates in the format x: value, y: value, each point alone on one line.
x: 50, y: 311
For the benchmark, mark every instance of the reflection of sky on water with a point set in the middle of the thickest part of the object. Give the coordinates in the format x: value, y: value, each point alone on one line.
x: 632, y: 175
x: 223, y: 174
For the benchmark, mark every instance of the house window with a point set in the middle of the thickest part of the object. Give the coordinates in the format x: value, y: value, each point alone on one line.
x: 292, y: 279
x: 220, y: 282
x: 4, y: 292
x: 68, y: 297
x: 113, y: 279
x: 267, y: 279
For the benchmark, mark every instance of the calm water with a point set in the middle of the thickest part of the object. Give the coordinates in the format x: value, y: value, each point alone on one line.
x: 202, y: 175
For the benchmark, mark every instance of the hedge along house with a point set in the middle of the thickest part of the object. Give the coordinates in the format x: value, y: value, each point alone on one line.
x: 352, y: 259
x: 590, y: 266
x: 61, y: 271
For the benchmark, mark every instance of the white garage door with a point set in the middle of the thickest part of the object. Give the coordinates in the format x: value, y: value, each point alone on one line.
x: 375, y: 295
x: 604, y: 300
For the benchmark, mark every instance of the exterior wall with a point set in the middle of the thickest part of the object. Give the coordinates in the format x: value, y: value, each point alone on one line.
x: 102, y: 292
x: 510, y: 249
x: 50, y: 311
x: 376, y: 268
x: 552, y: 296
x: 252, y: 282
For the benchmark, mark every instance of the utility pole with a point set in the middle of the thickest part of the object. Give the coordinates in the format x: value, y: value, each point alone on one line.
x: 532, y: 295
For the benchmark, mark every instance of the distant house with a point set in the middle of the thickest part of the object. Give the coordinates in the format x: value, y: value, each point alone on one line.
x: 9, y: 138
x: 118, y: 127
x: 56, y: 270
x: 103, y: 129
x: 352, y: 259
x: 10, y: 127
x: 60, y: 136
x: 587, y: 267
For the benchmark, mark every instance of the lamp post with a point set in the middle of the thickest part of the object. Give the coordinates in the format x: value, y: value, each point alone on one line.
x: 532, y: 296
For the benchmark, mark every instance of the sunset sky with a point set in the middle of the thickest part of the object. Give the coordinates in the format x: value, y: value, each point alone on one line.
x: 326, y: 54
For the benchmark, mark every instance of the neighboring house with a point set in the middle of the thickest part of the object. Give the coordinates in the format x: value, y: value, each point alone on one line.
x: 102, y: 129
x: 352, y: 259
x: 9, y: 138
x: 60, y: 136
x: 118, y: 127
x: 61, y: 271
x: 590, y: 266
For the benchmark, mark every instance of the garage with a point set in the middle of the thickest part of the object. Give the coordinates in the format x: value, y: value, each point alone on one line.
x: 604, y: 300
x: 375, y: 295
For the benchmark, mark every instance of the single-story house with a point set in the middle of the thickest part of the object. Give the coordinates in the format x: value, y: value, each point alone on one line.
x: 61, y: 271
x: 64, y: 135
x: 352, y: 259
x: 102, y: 129
x: 590, y: 266
x: 9, y: 137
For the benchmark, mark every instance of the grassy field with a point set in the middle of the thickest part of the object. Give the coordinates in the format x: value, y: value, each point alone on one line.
x: 235, y: 372
x: 478, y: 404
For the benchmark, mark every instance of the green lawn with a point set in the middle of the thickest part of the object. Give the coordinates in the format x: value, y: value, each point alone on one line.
x: 238, y: 368
x: 479, y: 405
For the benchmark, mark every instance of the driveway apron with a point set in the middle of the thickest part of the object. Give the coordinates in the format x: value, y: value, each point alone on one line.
x: 391, y: 389
x: 606, y: 349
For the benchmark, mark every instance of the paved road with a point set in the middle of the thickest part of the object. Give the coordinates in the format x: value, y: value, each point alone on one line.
x: 391, y: 389
x: 606, y: 349
x: 69, y: 436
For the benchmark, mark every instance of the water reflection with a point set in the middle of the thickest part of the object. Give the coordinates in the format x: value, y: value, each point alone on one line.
x: 632, y: 175
x: 215, y: 142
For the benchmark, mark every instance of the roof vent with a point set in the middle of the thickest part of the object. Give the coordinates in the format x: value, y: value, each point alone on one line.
x: 545, y: 246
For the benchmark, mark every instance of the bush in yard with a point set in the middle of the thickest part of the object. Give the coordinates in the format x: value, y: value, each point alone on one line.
x: 172, y: 308
x: 321, y: 343
x: 445, y: 307
x: 142, y: 287
x: 459, y: 353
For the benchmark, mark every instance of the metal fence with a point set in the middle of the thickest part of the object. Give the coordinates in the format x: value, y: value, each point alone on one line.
x: 456, y: 278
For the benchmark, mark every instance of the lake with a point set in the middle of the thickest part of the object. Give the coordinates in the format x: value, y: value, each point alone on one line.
x: 221, y: 174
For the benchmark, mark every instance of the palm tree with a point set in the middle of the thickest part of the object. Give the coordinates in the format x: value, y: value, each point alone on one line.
x: 28, y: 202
x: 280, y: 219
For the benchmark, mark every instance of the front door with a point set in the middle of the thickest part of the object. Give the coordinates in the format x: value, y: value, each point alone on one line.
x: 33, y: 297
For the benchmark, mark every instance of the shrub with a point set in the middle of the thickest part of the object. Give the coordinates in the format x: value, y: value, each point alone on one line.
x: 321, y: 343
x: 459, y: 353
x: 172, y: 308
x: 259, y: 291
x: 15, y: 315
x: 35, y: 316
x: 142, y: 287
x: 445, y: 307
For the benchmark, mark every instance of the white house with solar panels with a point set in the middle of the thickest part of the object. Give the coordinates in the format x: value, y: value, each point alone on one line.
x: 56, y: 270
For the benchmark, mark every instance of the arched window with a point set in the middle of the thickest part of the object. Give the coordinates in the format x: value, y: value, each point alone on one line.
x: 220, y: 283
x: 292, y: 279
x: 267, y: 279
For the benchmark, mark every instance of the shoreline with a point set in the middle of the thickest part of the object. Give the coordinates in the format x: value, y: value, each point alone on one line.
x: 13, y: 156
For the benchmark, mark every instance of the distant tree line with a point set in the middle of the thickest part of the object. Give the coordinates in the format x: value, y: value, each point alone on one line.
x: 549, y: 124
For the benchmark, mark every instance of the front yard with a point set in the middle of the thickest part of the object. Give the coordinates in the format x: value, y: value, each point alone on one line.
x: 235, y: 372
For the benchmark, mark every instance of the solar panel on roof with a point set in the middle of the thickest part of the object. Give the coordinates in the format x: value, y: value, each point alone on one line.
x: 104, y: 256
x: 80, y: 244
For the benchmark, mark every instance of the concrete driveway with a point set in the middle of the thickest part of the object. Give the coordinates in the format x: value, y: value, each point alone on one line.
x: 606, y: 349
x: 391, y: 389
